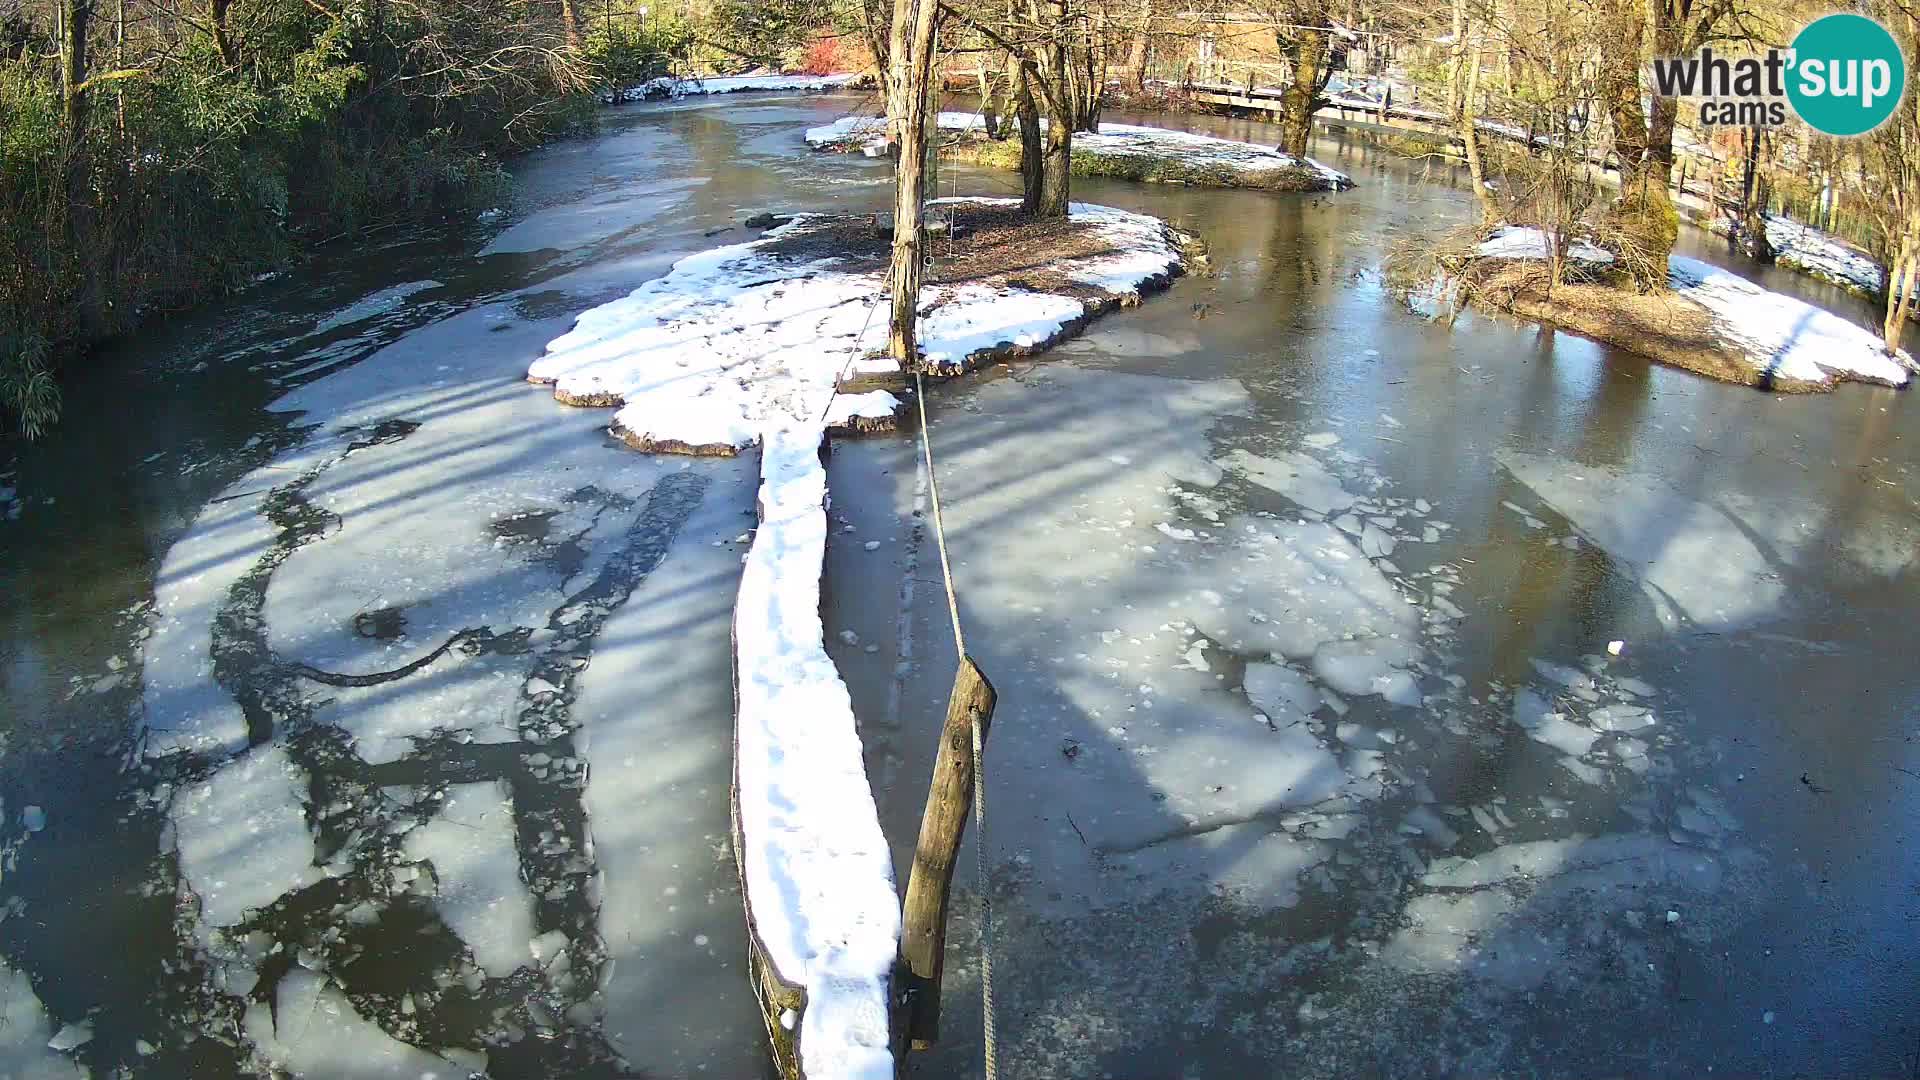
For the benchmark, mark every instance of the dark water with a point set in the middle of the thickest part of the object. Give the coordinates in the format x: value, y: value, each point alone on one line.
x: 1808, y: 700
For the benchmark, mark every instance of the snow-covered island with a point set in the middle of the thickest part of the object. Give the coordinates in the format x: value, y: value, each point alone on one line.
x: 1712, y: 321
x: 1122, y: 151
x: 761, y: 344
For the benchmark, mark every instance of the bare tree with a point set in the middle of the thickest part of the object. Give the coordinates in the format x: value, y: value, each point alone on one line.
x: 910, y: 48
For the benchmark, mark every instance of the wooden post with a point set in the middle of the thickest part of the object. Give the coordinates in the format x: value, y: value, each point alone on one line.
x: 923, y: 933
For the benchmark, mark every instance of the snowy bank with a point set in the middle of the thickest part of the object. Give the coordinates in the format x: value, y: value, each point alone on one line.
x: 746, y: 345
x: 1126, y: 151
x: 1815, y: 253
x: 668, y: 87
x: 1714, y: 322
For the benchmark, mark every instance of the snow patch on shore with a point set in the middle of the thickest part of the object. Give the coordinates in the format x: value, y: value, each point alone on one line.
x: 868, y: 134
x: 1527, y: 242
x: 1784, y: 338
x: 1787, y: 338
x: 1814, y: 253
x: 668, y: 87
x: 740, y: 337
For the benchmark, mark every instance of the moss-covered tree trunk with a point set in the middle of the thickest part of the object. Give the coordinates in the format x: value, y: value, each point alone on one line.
x: 1643, y: 219
x: 1027, y: 116
x: 1057, y: 159
x: 1305, y: 41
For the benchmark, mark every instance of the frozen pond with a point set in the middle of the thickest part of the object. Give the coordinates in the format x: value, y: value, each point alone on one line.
x: 1461, y: 701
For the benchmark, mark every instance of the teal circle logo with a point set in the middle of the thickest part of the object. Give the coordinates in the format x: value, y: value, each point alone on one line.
x: 1847, y: 75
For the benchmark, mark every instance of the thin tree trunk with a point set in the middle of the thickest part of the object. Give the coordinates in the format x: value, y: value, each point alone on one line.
x: 1456, y: 47
x: 1137, y: 54
x: 1899, y: 294
x: 989, y: 107
x: 1470, y: 142
x: 569, y: 20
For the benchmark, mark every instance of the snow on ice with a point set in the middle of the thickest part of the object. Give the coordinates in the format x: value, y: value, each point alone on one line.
x: 242, y: 837
x: 27, y: 1034
x: 1788, y: 338
x: 742, y: 345
x: 469, y: 845
x: 1122, y: 140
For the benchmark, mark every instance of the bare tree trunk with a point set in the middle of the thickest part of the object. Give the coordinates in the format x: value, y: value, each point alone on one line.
x: 1900, y: 282
x: 910, y: 88
x: 1456, y: 48
x: 74, y: 17
x: 1032, y: 168
x: 1137, y: 53
x: 1470, y: 141
x: 989, y: 105
x: 1644, y: 215
x: 1056, y: 93
x: 569, y: 20
x: 1753, y: 203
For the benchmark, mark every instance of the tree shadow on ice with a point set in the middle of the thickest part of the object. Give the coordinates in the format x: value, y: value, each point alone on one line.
x: 1295, y: 931
x: 525, y: 1020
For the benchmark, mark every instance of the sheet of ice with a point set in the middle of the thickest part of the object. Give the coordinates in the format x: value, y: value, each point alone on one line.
x: 819, y: 874
x: 470, y: 844
x: 25, y: 1029
x: 1296, y: 586
x: 313, y: 1032
x: 1282, y: 694
x: 656, y: 709
x: 373, y: 304
x: 241, y: 835
x: 1697, y: 564
x: 186, y: 710
x: 1787, y: 338
x: 1300, y: 477
x: 1544, y: 724
x: 1123, y: 140
x: 1369, y: 665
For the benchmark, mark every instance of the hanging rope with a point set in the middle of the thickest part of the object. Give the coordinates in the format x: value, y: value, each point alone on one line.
x: 992, y: 1065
